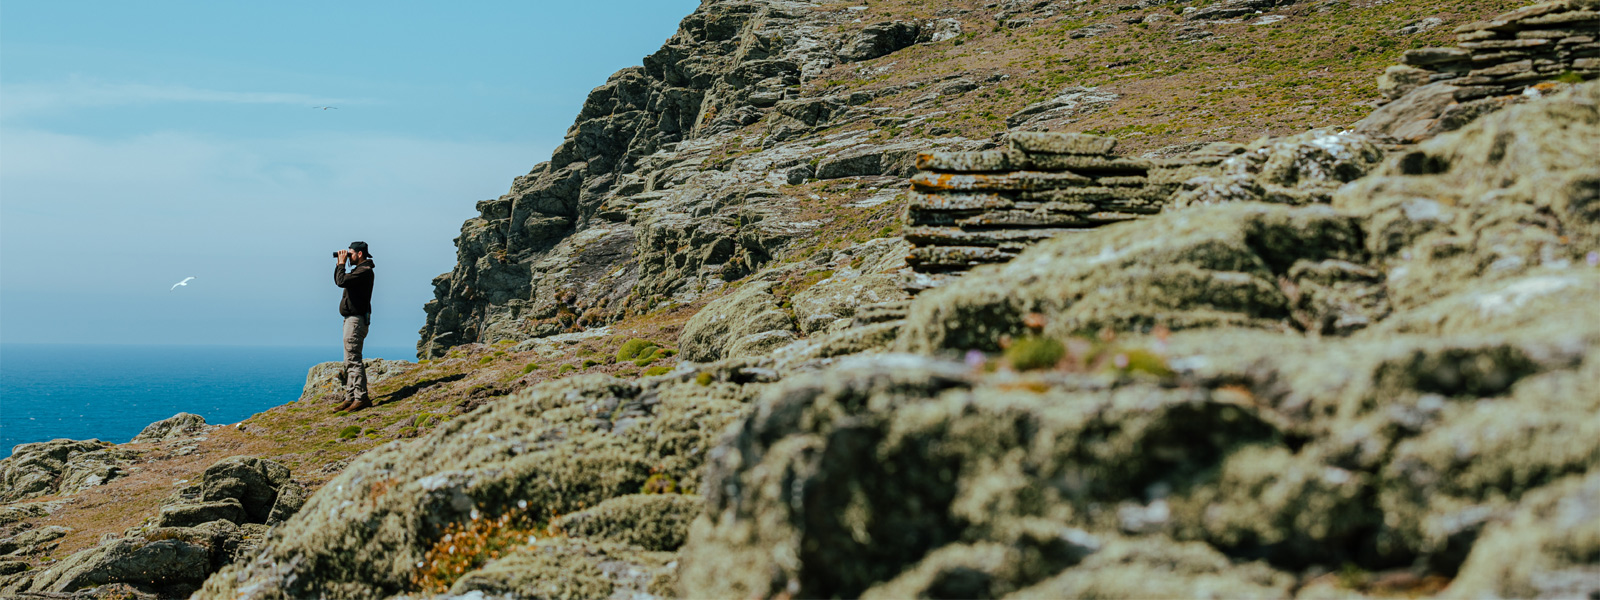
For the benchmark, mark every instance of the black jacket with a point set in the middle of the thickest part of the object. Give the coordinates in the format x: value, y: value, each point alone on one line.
x: 357, y: 286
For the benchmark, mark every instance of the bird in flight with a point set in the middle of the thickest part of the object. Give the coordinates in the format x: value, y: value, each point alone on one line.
x: 184, y: 282
x: 326, y: 107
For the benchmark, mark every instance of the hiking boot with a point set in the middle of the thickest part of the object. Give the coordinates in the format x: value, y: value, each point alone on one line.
x: 345, y: 406
x: 358, y: 405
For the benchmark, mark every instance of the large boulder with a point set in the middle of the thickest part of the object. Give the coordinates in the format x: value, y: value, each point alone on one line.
x: 189, y: 515
x: 173, y: 559
x: 1300, y: 169
x: 180, y: 426
x: 59, y: 467
x: 1427, y: 111
x: 880, y: 39
x: 746, y: 322
x: 863, y: 274
x: 252, y: 482
x: 326, y: 380
x: 1512, y: 192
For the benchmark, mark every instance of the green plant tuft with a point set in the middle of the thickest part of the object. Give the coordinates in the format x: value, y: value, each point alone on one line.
x: 634, y: 348
x: 703, y: 379
x: 350, y: 432
x: 659, y: 370
x: 1569, y: 77
x: 1032, y: 353
x: 566, y: 368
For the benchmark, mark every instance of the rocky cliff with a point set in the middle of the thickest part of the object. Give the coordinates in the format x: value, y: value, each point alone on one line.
x: 1385, y: 390
x: 1018, y: 299
x: 763, y: 123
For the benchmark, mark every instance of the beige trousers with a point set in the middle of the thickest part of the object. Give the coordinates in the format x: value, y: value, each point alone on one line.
x: 355, y: 371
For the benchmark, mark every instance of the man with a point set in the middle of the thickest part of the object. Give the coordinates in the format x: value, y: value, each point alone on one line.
x: 356, y: 308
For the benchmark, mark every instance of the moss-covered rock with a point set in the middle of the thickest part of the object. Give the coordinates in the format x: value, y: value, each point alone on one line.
x: 1299, y: 169
x: 747, y: 322
x: 865, y: 274
x: 553, y: 449
x: 791, y: 500
x: 1514, y: 190
x: 60, y: 467
x: 1153, y: 567
x: 568, y: 568
x: 1207, y: 267
x: 1548, y: 547
x: 658, y: 522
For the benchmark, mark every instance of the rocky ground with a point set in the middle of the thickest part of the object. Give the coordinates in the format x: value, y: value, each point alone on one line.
x: 681, y: 358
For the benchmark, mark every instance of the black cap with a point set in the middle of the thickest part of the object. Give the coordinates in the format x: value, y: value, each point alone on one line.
x: 360, y: 247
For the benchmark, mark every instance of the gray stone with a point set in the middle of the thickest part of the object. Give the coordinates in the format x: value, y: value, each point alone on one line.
x: 253, y: 482
x: 1426, y: 57
x: 130, y: 560
x: 744, y: 322
x: 189, y: 515
x: 325, y: 381
x: 59, y: 467
x: 894, y: 159
x: 29, y: 542
x: 879, y: 40
x: 1061, y: 143
x: 1061, y: 109
x: 179, y: 426
x: 291, y: 496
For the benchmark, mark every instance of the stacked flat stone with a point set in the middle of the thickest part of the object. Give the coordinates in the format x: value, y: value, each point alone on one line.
x: 972, y: 208
x: 1507, y: 54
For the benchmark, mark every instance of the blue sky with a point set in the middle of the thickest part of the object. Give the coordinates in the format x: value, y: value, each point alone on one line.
x: 141, y: 143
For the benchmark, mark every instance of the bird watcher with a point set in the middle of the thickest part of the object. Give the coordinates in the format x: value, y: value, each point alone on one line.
x: 356, y: 308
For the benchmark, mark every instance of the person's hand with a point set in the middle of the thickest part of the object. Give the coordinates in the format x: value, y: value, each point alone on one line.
x: 344, y: 255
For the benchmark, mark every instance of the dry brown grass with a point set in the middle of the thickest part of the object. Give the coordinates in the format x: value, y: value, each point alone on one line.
x: 1315, y: 68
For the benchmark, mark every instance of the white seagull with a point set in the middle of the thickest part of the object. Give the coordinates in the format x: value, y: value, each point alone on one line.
x: 184, y: 282
x: 326, y: 107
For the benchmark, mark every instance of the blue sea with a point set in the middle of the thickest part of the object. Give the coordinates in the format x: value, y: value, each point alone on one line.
x: 112, y: 392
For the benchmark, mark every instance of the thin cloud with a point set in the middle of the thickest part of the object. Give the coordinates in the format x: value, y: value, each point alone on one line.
x: 26, y: 99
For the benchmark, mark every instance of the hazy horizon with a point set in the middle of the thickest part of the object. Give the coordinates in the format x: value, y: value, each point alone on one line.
x: 142, y: 144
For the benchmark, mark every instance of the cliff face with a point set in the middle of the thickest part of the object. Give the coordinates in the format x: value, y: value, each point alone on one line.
x: 763, y: 122
x: 599, y: 229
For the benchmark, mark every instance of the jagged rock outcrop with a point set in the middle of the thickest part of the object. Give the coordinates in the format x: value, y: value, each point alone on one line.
x: 1495, y: 63
x: 201, y: 528
x: 1300, y: 169
x: 180, y: 426
x: 653, y: 198
x: 60, y: 467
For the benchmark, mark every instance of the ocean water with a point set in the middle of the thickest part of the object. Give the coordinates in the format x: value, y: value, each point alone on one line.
x: 112, y: 392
